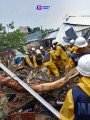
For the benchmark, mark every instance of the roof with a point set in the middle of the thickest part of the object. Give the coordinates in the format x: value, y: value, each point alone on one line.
x: 34, y: 37
x: 78, y: 20
x: 80, y: 28
x: 51, y: 35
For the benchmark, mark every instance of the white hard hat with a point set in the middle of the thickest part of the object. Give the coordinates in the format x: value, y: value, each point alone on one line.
x: 38, y: 51
x: 41, y: 47
x: 84, y: 65
x: 72, y: 42
x: 54, y: 41
x: 33, y: 48
x: 81, y: 42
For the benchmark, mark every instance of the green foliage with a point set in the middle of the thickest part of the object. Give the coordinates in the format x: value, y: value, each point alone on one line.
x: 11, y: 40
x: 32, y: 30
x: 44, y: 33
x: 36, y: 29
x: 10, y: 25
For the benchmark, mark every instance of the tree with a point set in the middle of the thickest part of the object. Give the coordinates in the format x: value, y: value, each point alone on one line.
x: 10, y: 26
x: 11, y: 40
x: 36, y: 29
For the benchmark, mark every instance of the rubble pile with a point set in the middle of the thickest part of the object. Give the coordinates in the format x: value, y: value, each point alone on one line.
x: 21, y: 100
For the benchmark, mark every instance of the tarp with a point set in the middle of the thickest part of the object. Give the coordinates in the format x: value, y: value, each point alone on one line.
x: 71, y: 33
x: 7, y: 52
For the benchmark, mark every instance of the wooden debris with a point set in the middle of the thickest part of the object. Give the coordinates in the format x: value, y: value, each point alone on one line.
x: 57, y: 88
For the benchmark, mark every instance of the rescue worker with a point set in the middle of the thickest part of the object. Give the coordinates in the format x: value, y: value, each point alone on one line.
x: 82, y: 49
x: 48, y: 62
x: 77, y: 103
x: 33, y: 50
x: 29, y: 56
x: 71, y: 48
x: 62, y: 57
x: 38, y: 59
x: 42, y: 50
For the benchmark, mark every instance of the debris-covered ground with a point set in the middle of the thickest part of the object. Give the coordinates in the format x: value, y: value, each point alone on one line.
x: 20, y: 100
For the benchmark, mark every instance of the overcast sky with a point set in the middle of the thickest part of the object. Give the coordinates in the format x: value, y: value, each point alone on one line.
x: 24, y: 12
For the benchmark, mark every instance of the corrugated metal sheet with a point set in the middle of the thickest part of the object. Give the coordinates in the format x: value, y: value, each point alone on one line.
x: 52, y: 35
x: 81, y: 20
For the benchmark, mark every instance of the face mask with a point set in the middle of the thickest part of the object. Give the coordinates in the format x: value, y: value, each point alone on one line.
x: 54, y: 46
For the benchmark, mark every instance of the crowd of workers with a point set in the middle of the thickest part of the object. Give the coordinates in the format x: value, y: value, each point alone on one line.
x: 58, y: 57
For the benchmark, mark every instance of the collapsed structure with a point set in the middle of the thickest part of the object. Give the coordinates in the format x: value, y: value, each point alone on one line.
x: 73, y: 27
